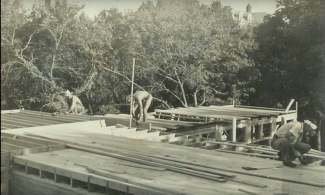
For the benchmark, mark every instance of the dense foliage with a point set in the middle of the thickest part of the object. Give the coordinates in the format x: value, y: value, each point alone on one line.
x: 187, y: 54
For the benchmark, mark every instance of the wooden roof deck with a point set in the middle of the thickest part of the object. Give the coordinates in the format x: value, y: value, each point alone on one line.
x: 27, y: 118
x: 100, y: 140
x: 117, y: 151
x: 223, y: 113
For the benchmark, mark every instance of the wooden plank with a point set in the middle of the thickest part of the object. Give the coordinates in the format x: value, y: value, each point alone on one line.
x: 57, y: 115
x: 215, y: 116
x: 17, y: 122
x: 33, y: 119
x: 152, y: 120
x: 247, y: 133
x: 248, y: 154
x: 53, y: 118
x: 187, y: 141
x: 161, y: 138
x: 30, y: 139
x: 147, y: 135
x: 21, y: 143
x: 202, y: 131
x: 3, y: 112
x: 234, y: 130
x: 289, y: 105
x: 215, y: 110
x: 10, y: 147
x: 132, y: 134
x: 10, y: 126
x: 260, y: 108
x: 20, y: 120
x: 273, y: 127
x: 112, y: 122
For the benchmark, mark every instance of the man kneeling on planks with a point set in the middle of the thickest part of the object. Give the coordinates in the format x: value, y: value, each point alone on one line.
x: 141, y: 102
x: 74, y: 103
x: 287, y: 139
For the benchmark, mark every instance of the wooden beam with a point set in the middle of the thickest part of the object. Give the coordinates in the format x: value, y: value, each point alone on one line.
x: 247, y: 133
x: 9, y: 111
x: 10, y: 126
x: 273, y: 127
x: 234, y: 130
x: 31, y: 139
x: 24, y: 120
x: 187, y: 141
x: 20, y: 143
x: 289, y: 105
x: 125, y: 122
x: 147, y: 135
x: 10, y: 147
x: 162, y: 138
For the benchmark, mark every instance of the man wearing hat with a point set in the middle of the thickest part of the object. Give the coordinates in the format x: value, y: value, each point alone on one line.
x: 74, y: 103
x: 287, y: 139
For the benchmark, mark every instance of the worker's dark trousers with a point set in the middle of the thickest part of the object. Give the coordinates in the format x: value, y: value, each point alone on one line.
x: 283, y: 145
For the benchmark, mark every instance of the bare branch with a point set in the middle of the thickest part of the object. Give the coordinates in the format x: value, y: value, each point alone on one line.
x: 6, y: 40
x: 218, y: 92
x: 181, y: 85
x: 167, y: 77
x: 169, y: 91
x: 130, y: 81
x: 204, y: 99
x: 30, y: 38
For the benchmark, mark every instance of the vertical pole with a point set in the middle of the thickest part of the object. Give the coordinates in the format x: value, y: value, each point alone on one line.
x: 296, y: 112
x: 131, y: 103
x: 234, y: 129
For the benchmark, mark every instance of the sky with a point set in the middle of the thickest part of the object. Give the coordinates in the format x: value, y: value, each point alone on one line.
x: 93, y: 7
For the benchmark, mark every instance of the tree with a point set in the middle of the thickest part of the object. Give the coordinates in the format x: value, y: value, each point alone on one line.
x: 190, y: 50
x: 290, y: 58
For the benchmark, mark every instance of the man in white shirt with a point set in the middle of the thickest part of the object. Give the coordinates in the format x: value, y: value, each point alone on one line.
x: 74, y: 103
x: 287, y: 139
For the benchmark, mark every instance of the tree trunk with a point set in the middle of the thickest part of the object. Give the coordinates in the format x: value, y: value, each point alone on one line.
x: 195, y: 98
x: 183, y: 93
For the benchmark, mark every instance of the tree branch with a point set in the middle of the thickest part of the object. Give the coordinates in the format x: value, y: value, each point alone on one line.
x: 30, y: 38
x: 181, y: 85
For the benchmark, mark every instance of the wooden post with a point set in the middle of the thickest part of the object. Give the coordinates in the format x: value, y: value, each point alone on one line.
x: 296, y: 112
x: 131, y: 103
x: 248, y: 132
x: 217, y: 134
x: 259, y: 130
x: 283, y: 121
x: 273, y: 126
x: 234, y: 129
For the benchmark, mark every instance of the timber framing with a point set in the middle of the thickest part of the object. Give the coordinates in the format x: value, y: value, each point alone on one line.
x: 102, y: 156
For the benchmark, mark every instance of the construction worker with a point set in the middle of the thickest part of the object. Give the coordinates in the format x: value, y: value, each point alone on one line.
x: 141, y: 102
x: 287, y: 140
x: 74, y: 103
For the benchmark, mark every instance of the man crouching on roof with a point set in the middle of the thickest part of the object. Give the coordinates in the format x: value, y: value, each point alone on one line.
x: 287, y: 139
x: 74, y: 103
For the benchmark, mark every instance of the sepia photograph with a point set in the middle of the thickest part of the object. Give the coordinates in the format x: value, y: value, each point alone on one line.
x: 162, y: 97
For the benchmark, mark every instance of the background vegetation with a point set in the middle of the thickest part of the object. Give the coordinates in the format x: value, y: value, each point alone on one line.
x: 187, y: 54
